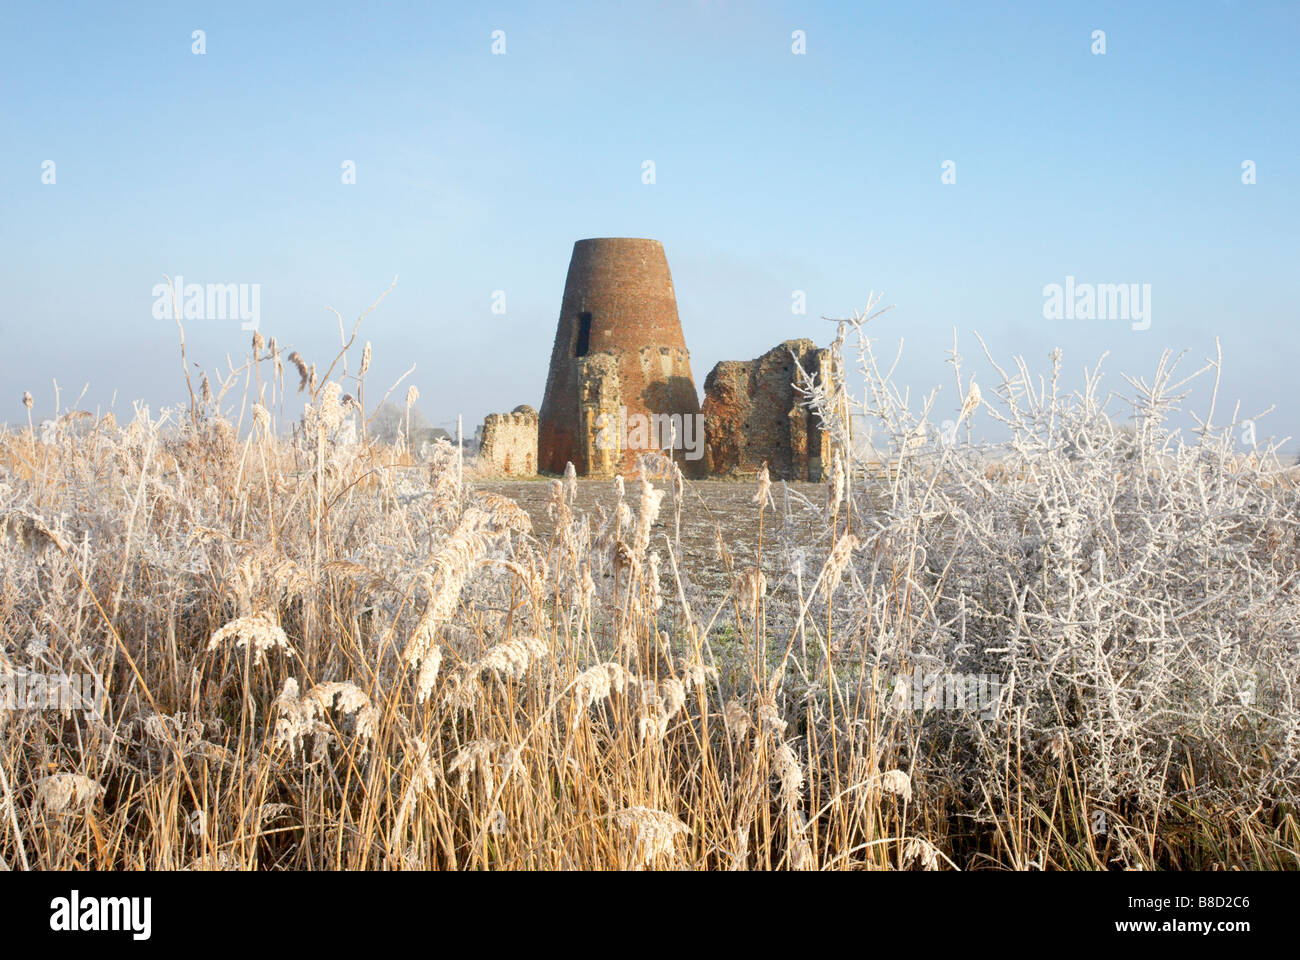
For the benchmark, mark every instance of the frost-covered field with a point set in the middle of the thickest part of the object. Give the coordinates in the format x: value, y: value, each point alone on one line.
x: 323, y: 652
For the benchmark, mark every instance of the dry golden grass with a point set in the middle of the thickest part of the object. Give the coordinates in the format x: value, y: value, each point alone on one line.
x: 321, y: 653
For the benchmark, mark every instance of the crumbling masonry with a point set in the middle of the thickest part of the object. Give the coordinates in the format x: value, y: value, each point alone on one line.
x: 619, y: 355
x: 753, y: 414
x: 620, y: 360
x: 509, y: 445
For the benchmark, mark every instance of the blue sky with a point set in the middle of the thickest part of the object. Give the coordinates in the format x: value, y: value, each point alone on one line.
x: 774, y: 172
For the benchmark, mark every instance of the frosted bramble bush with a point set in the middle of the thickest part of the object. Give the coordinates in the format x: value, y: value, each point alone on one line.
x: 1134, y: 590
x: 320, y: 651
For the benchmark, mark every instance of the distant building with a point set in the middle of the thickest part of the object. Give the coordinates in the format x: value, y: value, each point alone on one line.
x: 619, y: 352
x: 509, y: 446
x: 753, y: 414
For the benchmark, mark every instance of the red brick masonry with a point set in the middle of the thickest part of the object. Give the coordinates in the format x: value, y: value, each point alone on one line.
x: 753, y: 414
x: 618, y: 343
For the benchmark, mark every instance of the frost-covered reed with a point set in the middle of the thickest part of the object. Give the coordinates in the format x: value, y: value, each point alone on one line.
x: 319, y: 651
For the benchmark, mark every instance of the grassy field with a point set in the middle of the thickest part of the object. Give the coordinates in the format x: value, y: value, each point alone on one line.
x: 319, y: 652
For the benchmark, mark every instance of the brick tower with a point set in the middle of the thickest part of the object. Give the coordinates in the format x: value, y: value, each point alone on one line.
x: 619, y: 362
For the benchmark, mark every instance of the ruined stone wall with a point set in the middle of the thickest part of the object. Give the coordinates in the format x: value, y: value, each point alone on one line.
x: 509, y: 445
x: 602, y: 395
x: 752, y: 414
x: 618, y: 343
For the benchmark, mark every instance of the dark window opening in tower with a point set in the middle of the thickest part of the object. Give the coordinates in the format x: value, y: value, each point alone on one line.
x: 584, y: 335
